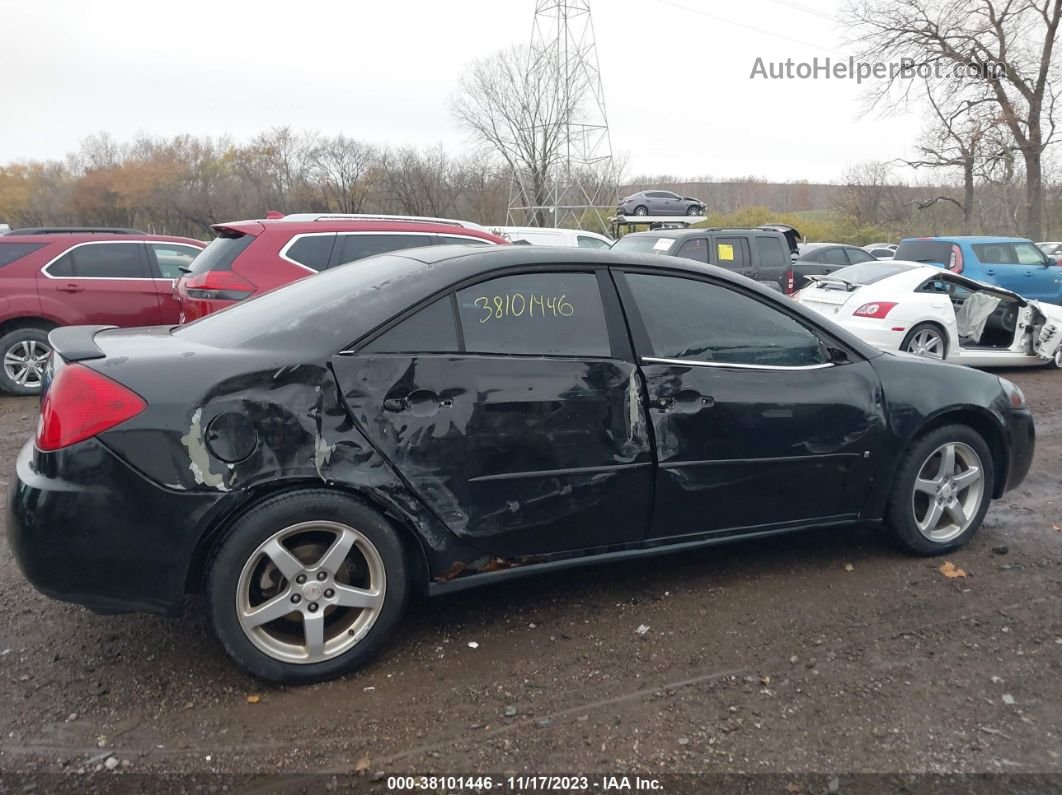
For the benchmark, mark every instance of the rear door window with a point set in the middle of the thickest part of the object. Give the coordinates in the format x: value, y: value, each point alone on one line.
x: 540, y: 314
x: 312, y: 251
x: 696, y: 249
x: 431, y: 330
x: 102, y: 261
x: 9, y: 252
x: 353, y: 247
x: 731, y: 252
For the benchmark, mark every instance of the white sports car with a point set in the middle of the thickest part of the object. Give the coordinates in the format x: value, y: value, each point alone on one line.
x: 924, y: 310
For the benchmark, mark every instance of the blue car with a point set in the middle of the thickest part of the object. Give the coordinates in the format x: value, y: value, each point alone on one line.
x: 1014, y: 263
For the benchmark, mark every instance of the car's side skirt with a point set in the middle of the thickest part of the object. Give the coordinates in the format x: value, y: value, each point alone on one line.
x: 542, y: 564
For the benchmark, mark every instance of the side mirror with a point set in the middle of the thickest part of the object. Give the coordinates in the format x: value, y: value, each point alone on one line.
x: 838, y: 356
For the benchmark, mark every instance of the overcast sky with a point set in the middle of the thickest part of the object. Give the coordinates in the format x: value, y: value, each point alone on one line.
x: 676, y: 76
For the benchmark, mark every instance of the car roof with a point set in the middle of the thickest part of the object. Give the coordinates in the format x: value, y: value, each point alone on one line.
x: 971, y: 239
x: 677, y: 233
x: 98, y: 237
x: 918, y: 272
x: 257, y: 227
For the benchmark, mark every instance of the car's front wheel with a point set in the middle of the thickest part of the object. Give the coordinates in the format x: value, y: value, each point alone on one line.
x: 942, y: 490
x: 307, y: 586
x: 25, y: 354
x: 694, y: 210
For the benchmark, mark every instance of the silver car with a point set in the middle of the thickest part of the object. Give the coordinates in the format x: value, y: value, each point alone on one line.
x: 660, y: 202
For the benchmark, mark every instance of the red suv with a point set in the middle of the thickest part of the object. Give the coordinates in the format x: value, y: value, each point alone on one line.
x: 250, y: 257
x: 63, y: 276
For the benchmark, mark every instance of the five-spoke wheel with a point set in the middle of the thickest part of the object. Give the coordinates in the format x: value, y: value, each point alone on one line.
x: 925, y: 340
x: 25, y: 354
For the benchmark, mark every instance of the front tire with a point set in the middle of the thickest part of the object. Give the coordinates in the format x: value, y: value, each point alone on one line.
x: 694, y: 210
x: 24, y: 353
x: 926, y: 340
x: 942, y: 490
x: 307, y: 586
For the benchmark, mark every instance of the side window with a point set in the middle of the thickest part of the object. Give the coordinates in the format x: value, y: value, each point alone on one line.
x: 695, y: 249
x: 835, y: 256
x: 313, y: 251
x: 9, y: 252
x: 772, y: 255
x: 430, y: 330
x: 355, y: 247
x: 171, y: 257
x: 996, y: 253
x: 585, y: 241
x: 856, y: 255
x: 102, y: 261
x: 539, y: 314
x: 455, y: 240
x: 1028, y: 254
x: 731, y: 252
x: 656, y: 194
x: 703, y: 322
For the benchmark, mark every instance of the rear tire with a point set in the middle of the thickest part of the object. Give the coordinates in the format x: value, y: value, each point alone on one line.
x: 307, y: 586
x: 939, y: 498
x: 24, y: 353
x: 924, y: 340
x: 641, y: 209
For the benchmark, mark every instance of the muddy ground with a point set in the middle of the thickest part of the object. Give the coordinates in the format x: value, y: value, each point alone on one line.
x: 827, y: 652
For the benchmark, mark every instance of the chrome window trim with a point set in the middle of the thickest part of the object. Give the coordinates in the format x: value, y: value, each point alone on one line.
x: 53, y: 260
x: 731, y: 365
x: 284, y: 251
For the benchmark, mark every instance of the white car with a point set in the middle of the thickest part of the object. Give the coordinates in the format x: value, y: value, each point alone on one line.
x: 925, y: 310
x: 881, y: 250
x: 545, y: 236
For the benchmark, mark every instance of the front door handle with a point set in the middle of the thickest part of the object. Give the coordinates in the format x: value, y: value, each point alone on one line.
x: 419, y: 402
x: 396, y: 404
x: 688, y: 400
x: 70, y: 288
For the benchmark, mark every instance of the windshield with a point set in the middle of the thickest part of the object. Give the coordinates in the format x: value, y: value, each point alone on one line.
x: 866, y: 272
x: 644, y: 244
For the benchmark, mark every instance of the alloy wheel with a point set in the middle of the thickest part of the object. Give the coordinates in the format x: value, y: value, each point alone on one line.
x: 24, y: 362
x: 948, y: 491
x: 641, y: 211
x: 311, y: 592
x: 927, y: 342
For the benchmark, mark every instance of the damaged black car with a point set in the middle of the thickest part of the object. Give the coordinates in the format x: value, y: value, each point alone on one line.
x: 442, y: 418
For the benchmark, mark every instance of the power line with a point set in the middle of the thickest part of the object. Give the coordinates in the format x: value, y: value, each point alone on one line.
x: 726, y: 21
x: 806, y: 9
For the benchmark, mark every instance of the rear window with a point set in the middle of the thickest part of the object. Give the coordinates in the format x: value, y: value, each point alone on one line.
x: 869, y: 272
x: 9, y: 252
x: 937, y: 252
x: 644, y: 244
x: 220, y: 253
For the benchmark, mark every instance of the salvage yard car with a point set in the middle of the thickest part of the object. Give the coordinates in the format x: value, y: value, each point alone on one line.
x: 905, y: 306
x: 660, y: 202
x: 446, y: 417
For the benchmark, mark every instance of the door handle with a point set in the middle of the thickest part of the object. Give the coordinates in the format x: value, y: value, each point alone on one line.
x: 664, y: 403
x: 396, y: 404
x: 70, y: 288
x: 687, y: 400
x: 990, y: 271
x: 419, y: 402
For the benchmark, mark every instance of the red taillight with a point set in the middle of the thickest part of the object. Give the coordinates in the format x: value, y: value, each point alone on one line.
x: 955, y: 265
x: 217, y: 286
x: 790, y: 282
x: 80, y: 404
x: 878, y: 309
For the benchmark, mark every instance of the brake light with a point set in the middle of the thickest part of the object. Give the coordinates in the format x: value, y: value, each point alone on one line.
x: 790, y: 281
x: 955, y: 265
x: 81, y: 403
x: 878, y: 309
x: 217, y: 286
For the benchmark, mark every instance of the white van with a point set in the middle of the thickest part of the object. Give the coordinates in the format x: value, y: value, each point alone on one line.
x: 544, y: 236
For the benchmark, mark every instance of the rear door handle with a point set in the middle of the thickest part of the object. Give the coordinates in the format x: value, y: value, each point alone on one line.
x: 70, y: 288
x: 396, y: 404
x: 990, y: 272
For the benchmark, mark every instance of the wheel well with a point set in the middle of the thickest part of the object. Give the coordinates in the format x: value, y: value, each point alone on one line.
x: 209, y: 541
x: 987, y: 429
x: 26, y: 322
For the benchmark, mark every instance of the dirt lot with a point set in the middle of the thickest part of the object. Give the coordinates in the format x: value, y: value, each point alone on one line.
x: 827, y: 652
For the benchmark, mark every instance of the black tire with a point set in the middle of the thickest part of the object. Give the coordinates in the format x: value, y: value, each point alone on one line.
x: 694, y: 210
x: 908, y: 340
x: 242, y: 543
x: 641, y: 209
x: 18, y: 342
x: 901, y: 513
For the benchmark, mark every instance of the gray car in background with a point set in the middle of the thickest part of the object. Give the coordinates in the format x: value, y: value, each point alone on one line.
x: 660, y: 202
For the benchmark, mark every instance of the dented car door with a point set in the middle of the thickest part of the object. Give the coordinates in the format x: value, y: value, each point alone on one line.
x: 505, y: 407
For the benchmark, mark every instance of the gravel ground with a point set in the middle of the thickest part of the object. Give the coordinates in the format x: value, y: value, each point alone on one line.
x: 825, y: 653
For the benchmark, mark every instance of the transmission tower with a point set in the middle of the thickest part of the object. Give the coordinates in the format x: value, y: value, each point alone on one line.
x: 580, y: 186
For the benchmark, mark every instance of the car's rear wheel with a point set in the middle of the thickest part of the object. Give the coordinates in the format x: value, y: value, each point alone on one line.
x: 926, y: 339
x: 25, y: 353
x: 1055, y: 362
x: 641, y: 209
x: 306, y: 586
x: 942, y: 490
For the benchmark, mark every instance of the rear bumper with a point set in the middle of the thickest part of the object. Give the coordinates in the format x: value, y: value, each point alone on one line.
x: 1021, y: 440
x: 86, y: 528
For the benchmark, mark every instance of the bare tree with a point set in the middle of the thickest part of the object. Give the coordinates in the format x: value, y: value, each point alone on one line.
x: 871, y: 195
x: 1003, y: 48
x: 342, y: 167
x: 516, y: 108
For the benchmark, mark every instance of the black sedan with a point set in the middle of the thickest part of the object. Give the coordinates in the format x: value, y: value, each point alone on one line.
x: 818, y: 259
x: 447, y: 417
